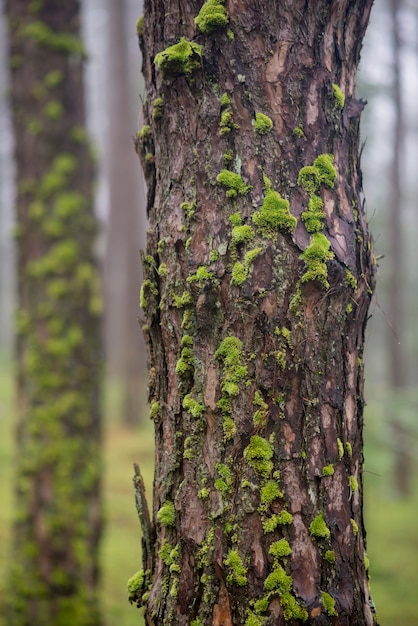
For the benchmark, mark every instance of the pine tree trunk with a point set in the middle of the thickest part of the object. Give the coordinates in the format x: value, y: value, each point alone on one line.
x: 57, y: 527
x: 258, y: 277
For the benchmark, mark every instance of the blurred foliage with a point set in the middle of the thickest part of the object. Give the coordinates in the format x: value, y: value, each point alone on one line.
x: 390, y: 521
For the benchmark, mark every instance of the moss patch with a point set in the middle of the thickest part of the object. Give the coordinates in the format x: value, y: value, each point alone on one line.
x: 183, y: 58
x: 315, y: 256
x: 262, y: 123
x: 212, y: 17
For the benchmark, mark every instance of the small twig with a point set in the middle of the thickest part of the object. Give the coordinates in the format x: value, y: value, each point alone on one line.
x: 144, y: 518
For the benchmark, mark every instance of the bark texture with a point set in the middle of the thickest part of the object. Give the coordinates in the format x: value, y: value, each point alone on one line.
x: 258, y: 276
x: 57, y: 527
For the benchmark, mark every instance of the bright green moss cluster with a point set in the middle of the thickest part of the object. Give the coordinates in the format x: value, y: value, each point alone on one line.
x: 281, y: 519
x: 193, y: 406
x: 200, y: 276
x: 330, y: 556
x: 224, y: 481
x: 339, y: 96
x: 182, y: 301
x: 274, y: 216
x: 241, y: 234
x: 328, y: 603
x: 313, y: 217
x: 278, y: 582
x: 166, y: 514
x: 185, y: 364
x: 260, y: 416
x: 227, y: 123
x: 240, y: 270
x: 136, y: 586
x: 183, y: 58
x: 322, y: 172
x: 230, y: 354
x: 262, y: 123
x: 144, y: 132
x: 233, y: 182
x: 212, y: 17
x: 319, y: 529
x: 258, y: 455
x: 353, y: 483
x: 350, y: 280
x: 237, y: 572
x: 280, y: 549
x: 315, y: 256
x: 157, y: 108
x: 328, y: 470
x: 140, y: 26
x: 270, y: 492
x: 340, y: 448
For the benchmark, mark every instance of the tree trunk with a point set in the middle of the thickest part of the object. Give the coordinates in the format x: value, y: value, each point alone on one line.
x: 258, y: 277
x: 125, y: 353
x: 58, y: 521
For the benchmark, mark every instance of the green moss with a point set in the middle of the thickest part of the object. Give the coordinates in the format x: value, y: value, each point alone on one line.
x: 185, y: 364
x: 157, y: 108
x: 144, y: 132
x: 299, y: 131
x: 282, y: 519
x: 353, y: 483
x: 315, y: 257
x: 227, y: 122
x: 225, y: 100
x: 136, y: 586
x: 239, y: 274
x: 328, y: 603
x: 309, y: 179
x: 235, y: 219
x: 228, y: 156
x: 188, y: 208
x: 162, y: 270
x: 154, y: 410
x: 233, y: 182
x: 214, y: 255
x: 242, y: 234
x: 183, y: 57
x: 280, y: 549
x: 354, y: 526
x: 328, y: 470
x: 262, y: 123
x: 350, y: 280
x: 258, y: 455
x: 182, y: 301
x: 260, y: 416
x: 200, y: 276
x: 330, y: 556
x: 237, y: 572
x: 349, y: 449
x: 274, y: 215
x: 193, y: 406
x: 166, y: 514
x: 339, y: 96
x: 53, y: 78
x: 45, y: 36
x: 254, y: 620
x: 224, y: 482
x: 292, y: 609
x: 314, y: 215
x: 278, y: 581
x: 340, y: 448
x: 326, y: 169
x: 212, y: 17
x: 319, y: 529
x: 140, y: 26
x: 148, y: 290
x: 270, y: 492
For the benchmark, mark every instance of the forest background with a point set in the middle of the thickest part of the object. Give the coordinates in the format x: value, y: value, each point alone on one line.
x: 388, y: 80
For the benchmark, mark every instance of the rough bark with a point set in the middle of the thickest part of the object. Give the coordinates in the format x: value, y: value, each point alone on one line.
x: 58, y: 511
x: 258, y: 277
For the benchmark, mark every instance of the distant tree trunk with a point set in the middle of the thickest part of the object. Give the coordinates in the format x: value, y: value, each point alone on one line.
x: 397, y: 352
x: 126, y: 234
x: 258, y: 277
x: 58, y: 521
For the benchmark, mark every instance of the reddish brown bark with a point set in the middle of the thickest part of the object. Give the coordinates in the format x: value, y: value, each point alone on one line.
x: 256, y: 376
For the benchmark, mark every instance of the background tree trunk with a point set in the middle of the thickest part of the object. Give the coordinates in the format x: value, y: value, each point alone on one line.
x: 258, y: 277
x: 125, y: 350
x: 57, y: 527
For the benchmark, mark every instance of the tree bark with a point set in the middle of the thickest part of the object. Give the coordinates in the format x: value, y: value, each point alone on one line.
x: 258, y: 277
x: 58, y: 520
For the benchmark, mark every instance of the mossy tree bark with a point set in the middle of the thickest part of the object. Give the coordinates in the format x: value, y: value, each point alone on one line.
x: 258, y: 276
x: 58, y: 510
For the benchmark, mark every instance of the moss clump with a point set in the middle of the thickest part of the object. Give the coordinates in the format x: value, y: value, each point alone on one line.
x: 315, y: 256
x: 201, y: 276
x: 182, y: 301
x: 349, y: 449
x: 328, y: 470
x: 299, y: 131
x: 354, y: 526
x: 140, y: 26
x: 224, y: 482
x: 241, y: 234
x: 157, y: 108
x: 340, y: 448
x: 353, y: 484
x: 166, y: 514
x: 262, y: 123
x: 274, y: 215
x: 144, y: 132
x: 193, y: 406
x: 54, y: 110
x: 278, y: 581
x: 185, y: 364
x: 233, y: 182
x: 326, y: 169
x: 328, y: 603
x: 136, y: 586
x: 339, y: 97
x: 309, y: 179
x: 270, y: 492
x: 330, y: 556
x: 319, y: 529
x: 280, y: 549
x: 230, y: 354
x: 183, y: 58
x: 314, y: 215
x: 227, y: 122
x: 225, y: 101
x: 350, y: 280
x: 282, y: 519
x: 258, y: 455
x: 237, y: 572
x: 212, y: 17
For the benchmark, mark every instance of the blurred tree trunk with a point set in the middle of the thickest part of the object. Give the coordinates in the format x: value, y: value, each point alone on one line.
x: 258, y: 276
x: 58, y: 521
x: 397, y: 353
x: 125, y: 349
